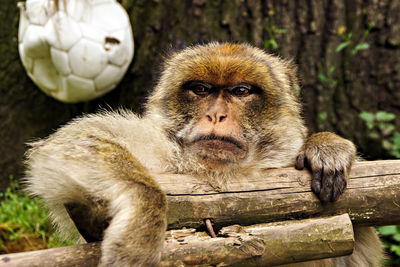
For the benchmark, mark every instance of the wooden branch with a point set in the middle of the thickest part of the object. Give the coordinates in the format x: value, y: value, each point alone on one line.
x: 372, y: 197
x: 263, y: 244
x: 78, y: 255
x: 257, y: 245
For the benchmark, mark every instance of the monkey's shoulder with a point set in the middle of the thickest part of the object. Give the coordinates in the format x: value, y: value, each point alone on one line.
x: 104, y: 137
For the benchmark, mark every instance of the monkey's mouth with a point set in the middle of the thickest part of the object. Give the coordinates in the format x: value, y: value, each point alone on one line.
x: 218, y: 150
x: 219, y: 142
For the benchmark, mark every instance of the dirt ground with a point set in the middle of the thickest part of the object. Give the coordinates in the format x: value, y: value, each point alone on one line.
x: 25, y: 243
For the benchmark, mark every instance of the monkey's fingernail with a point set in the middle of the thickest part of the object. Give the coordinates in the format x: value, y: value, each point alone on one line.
x: 316, y: 181
x: 300, y: 161
x: 315, y: 186
x: 324, y: 197
x: 210, y: 228
x: 335, y: 195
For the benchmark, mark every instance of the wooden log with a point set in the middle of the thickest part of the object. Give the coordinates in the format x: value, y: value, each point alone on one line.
x: 372, y: 197
x: 257, y: 245
x: 78, y: 255
x: 264, y: 244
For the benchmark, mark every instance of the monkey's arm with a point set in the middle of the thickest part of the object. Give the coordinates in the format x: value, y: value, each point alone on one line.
x: 329, y: 157
x: 80, y: 167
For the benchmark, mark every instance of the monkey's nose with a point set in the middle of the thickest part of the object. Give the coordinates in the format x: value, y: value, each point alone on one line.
x: 216, y: 117
x: 218, y: 111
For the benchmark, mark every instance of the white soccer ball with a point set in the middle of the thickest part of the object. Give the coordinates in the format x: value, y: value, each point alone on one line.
x: 76, y: 51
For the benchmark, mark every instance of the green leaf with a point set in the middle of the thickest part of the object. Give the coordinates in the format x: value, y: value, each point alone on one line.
x: 274, y: 44
x: 322, y: 77
x: 387, y: 127
x: 395, y: 153
x: 349, y: 35
x: 367, y: 116
x: 395, y: 249
x: 321, y: 117
x: 397, y: 237
x: 387, y: 230
x: 370, y: 124
x: 396, y: 140
x: 386, y: 144
x: 342, y: 46
x: 281, y: 30
x: 374, y: 135
x: 266, y: 45
x: 362, y: 46
x: 385, y: 116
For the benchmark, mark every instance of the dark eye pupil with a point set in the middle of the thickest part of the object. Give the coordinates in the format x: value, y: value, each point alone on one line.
x: 199, y: 89
x: 241, y: 91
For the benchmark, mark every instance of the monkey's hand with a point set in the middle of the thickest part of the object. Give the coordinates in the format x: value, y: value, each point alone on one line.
x: 329, y: 157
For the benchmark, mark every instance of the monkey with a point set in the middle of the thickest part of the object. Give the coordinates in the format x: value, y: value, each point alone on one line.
x: 218, y: 111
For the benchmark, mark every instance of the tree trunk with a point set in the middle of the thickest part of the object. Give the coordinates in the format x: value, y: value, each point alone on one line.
x: 304, y: 30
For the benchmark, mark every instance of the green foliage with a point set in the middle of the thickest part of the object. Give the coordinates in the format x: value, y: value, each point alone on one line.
x: 358, y: 47
x: 391, y: 238
x: 380, y: 126
x: 348, y: 41
x: 327, y: 76
x: 23, y: 217
x: 322, y: 117
x: 272, y: 31
x: 349, y: 44
x: 395, y: 145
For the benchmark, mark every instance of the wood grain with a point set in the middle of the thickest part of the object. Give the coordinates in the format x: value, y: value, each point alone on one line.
x: 372, y: 197
x: 256, y: 245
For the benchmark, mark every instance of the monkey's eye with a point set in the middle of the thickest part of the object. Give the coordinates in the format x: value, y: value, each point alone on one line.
x: 241, y: 91
x: 200, y: 89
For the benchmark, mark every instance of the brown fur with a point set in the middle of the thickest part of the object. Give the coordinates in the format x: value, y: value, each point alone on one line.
x: 109, y: 162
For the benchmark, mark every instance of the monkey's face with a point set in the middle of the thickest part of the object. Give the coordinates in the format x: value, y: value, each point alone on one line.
x: 225, y: 104
x: 216, y: 132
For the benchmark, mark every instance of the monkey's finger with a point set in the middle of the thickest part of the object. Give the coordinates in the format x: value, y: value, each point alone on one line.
x: 316, y: 181
x: 325, y: 195
x: 300, y: 161
x: 339, y: 184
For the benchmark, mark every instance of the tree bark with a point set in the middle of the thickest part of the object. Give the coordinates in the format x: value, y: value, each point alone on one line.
x: 257, y: 245
x: 310, y: 37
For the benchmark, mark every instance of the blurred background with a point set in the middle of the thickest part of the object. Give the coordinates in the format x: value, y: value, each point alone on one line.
x: 347, y: 52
